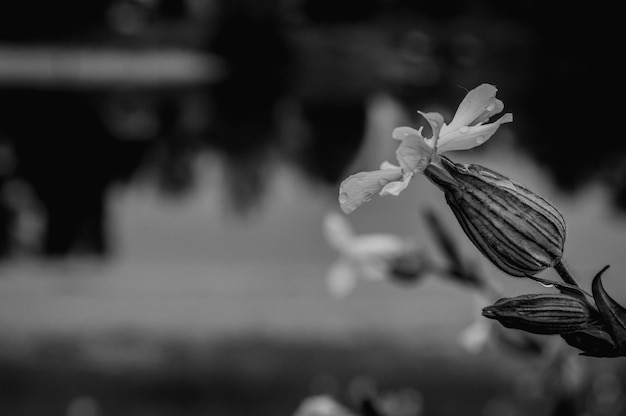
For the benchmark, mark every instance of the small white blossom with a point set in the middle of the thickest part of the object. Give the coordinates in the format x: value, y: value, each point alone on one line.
x: 475, y: 336
x: 321, y: 406
x: 469, y: 128
x: 370, y: 257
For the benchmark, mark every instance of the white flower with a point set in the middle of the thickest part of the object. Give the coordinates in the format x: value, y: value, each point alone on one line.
x: 321, y: 405
x: 475, y: 336
x: 469, y: 128
x: 369, y: 257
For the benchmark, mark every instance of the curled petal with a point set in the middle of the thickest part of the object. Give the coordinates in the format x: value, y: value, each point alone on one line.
x: 436, y: 124
x: 360, y: 187
x: 469, y: 137
x: 394, y: 188
x: 414, y: 154
x: 478, y: 101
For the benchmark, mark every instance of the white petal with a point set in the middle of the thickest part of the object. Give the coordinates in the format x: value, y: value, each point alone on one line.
x: 401, y: 133
x: 495, y: 107
x: 474, y: 337
x: 321, y: 406
x: 341, y: 278
x: 375, y: 269
x: 473, y: 106
x: 388, y: 165
x: 337, y: 231
x: 414, y: 154
x: 366, y: 246
x: 436, y: 123
x: 359, y: 188
x: 469, y: 137
x: 394, y: 188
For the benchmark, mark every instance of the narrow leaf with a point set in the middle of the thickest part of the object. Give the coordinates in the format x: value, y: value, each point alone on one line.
x: 613, y: 314
x: 594, y: 341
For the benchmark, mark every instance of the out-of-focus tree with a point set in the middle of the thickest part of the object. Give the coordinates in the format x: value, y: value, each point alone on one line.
x: 299, y: 74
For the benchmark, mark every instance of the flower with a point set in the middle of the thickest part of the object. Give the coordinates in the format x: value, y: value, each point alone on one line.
x: 517, y: 230
x: 374, y: 257
x: 468, y: 129
x: 321, y: 405
x: 475, y: 336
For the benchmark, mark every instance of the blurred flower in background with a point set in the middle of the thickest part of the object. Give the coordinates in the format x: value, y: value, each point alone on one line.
x: 322, y: 406
x: 374, y: 257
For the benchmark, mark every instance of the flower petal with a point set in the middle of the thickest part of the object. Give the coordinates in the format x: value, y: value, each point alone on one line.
x: 375, y: 269
x: 414, y: 154
x: 475, y: 103
x: 322, y: 405
x: 401, y: 133
x: 368, y: 246
x: 436, y: 123
x: 337, y: 231
x: 394, y: 188
x: 388, y: 165
x: 360, y: 187
x: 474, y: 337
x: 341, y: 278
x: 470, y: 137
x: 495, y: 107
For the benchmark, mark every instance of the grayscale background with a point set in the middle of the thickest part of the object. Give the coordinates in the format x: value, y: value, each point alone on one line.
x: 166, y: 165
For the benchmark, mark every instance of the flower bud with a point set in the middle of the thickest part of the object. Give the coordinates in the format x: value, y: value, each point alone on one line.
x: 520, y: 232
x: 544, y: 314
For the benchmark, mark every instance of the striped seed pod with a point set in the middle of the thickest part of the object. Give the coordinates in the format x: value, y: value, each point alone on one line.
x: 545, y: 314
x: 520, y: 232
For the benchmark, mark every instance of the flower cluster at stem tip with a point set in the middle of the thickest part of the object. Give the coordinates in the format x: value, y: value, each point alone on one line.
x: 469, y: 128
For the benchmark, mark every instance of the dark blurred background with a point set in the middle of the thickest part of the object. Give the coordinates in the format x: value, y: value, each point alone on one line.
x: 97, y: 96
x: 288, y: 79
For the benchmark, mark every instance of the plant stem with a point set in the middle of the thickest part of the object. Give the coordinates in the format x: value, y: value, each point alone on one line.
x: 568, y: 278
x: 565, y: 274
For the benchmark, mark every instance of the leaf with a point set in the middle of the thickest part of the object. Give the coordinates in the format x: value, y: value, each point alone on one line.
x: 594, y: 341
x: 613, y: 314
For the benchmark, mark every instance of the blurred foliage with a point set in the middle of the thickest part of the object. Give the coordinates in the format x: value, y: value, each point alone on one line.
x: 129, y: 374
x: 299, y: 77
x: 240, y: 376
